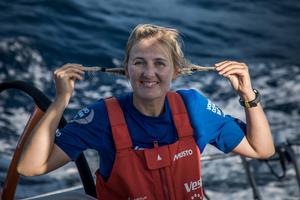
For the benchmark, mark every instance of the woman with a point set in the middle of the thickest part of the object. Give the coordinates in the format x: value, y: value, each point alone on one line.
x: 149, y: 140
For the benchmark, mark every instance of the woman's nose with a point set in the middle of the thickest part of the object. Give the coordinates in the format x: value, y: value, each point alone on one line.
x: 149, y: 71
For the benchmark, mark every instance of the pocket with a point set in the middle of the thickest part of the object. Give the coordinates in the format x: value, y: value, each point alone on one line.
x: 157, y: 157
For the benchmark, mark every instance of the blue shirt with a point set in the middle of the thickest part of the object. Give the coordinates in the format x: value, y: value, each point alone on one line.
x: 90, y: 128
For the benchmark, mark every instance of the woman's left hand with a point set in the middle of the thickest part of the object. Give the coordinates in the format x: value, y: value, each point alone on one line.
x: 238, y: 75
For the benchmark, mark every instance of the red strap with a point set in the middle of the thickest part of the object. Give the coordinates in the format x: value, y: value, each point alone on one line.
x: 118, y: 124
x: 119, y: 128
x: 180, y: 115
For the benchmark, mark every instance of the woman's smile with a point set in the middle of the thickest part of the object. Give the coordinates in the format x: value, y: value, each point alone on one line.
x: 149, y: 84
x: 150, y: 70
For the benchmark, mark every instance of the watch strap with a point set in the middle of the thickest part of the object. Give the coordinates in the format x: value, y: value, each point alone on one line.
x: 252, y: 103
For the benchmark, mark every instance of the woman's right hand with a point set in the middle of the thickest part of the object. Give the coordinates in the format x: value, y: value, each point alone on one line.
x: 65, y: 78
x: 41, y: 154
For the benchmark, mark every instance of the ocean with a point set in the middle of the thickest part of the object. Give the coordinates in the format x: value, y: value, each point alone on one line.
x: 36, y: 37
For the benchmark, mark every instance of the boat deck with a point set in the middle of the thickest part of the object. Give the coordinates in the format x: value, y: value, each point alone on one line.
x: 73, y: 193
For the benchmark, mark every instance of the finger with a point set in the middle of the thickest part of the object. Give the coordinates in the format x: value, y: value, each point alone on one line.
x: 239, y: 72
x: 231, y: 67
x: 223, y: 65
x: 74, y: 76
x: 75, y: 70
x: 69, y: 65
x: 62, y: 71
x: 226, y: 64
x: 73, y: 67
x: 68, y: 74
x: 220, y: 63
x: 217, y: 65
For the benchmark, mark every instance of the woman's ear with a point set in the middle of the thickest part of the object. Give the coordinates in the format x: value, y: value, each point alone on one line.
x: 126, y: 71
x: 175, y: 73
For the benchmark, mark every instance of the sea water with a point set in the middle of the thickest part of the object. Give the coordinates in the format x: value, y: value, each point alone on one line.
x: 37, y: 37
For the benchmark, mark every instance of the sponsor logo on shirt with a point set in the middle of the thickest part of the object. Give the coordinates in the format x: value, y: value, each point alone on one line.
x: 182, y: 154
x: 84, y: 116
x: 193, y: 185
x: 213, y: 108
x: 57, y: 133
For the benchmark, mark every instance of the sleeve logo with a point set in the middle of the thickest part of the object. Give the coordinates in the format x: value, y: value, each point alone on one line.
x: 213, y: 108
x: 84, y: 116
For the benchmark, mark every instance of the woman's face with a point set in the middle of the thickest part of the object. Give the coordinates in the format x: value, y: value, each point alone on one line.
x: 150, y: 70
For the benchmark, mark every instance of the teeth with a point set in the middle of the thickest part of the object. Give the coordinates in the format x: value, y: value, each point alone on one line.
x: 148, y: 84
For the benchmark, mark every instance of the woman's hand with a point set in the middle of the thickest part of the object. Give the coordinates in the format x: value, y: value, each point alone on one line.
x: 65, y: 77
x: 41, y: 154
x: 257, y: 142
x: 238, y: 75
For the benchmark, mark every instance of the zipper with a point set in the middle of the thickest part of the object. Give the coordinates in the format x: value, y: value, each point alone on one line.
x: 155, y: 144
x: 164, y: 183
x: 163, y: 177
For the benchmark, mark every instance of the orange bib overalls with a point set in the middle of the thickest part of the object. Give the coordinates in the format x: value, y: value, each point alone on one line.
x: 167, y: 172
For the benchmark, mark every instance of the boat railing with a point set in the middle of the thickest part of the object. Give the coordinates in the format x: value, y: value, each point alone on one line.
x: 42, y: 103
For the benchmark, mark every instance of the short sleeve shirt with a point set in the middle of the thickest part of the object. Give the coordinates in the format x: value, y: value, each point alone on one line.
x: 90, y: 128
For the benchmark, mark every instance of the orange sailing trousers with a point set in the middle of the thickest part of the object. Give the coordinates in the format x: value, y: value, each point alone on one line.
x: 166, y: 172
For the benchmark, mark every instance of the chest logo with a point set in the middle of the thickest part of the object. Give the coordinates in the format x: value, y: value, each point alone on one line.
x: 193, y: 185
x: 158, y: 157
x: 182, y: 154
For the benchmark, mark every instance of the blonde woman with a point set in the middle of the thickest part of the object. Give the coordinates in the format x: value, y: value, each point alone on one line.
x: 151, y: 139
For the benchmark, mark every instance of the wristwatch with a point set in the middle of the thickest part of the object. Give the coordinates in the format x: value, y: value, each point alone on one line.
x: 253, y: 103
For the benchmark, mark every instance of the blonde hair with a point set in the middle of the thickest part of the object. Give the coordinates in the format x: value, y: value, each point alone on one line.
x: 167, y: 36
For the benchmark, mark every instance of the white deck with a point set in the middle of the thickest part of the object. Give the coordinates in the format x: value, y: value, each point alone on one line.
x: 74, y: 193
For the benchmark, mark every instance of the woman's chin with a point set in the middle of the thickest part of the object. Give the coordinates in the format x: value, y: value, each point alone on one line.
x: 149, y: 95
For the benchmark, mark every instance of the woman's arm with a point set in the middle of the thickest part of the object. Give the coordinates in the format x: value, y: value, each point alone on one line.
x: 258, y: 142
x: 41, y: 155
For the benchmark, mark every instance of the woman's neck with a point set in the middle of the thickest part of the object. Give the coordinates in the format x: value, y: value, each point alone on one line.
x: 151, y: 108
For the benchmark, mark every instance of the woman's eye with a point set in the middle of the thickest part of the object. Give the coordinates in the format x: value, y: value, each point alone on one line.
x: 138, y: 63
x: 160, y: 64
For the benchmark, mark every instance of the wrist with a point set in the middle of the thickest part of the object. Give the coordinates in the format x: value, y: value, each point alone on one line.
x: 63, y: 100
x: 253, y: 102
x: 249, y: 96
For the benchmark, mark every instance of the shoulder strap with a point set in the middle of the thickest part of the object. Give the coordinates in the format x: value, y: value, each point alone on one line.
x: 118, y: 124
x: 180, y: 115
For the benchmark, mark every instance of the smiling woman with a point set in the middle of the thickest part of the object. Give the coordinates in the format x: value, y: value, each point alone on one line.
x: 150, y: 70
x: 153, y: 58
x: 138, y: 133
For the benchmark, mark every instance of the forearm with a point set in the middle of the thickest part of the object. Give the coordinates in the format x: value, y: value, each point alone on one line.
x: 258, y: 142
x: 258, y: 132
x: 40, y: 145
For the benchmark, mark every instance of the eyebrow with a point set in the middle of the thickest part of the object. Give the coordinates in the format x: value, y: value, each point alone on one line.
x: 162, y: 59
x: 138, y: 58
